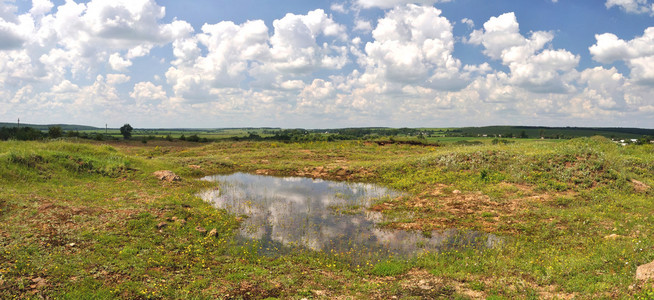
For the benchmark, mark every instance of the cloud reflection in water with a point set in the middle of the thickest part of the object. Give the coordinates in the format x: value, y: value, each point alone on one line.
x: 324, y: 216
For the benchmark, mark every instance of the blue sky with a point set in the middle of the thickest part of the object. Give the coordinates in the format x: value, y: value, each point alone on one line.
x: 319, y: 64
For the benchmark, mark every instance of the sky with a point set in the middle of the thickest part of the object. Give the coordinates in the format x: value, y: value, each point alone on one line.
x: 327, y: 64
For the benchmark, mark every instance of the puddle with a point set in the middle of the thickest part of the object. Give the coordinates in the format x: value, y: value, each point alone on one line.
x: 293, y: 212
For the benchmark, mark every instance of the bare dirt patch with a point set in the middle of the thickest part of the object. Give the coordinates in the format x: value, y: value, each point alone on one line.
x: 438, y: 208
x: 418, y: 283
x: 639, y: 186
x: 336, y: 172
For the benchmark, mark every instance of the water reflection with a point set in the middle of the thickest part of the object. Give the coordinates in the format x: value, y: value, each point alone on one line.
x: 324, y: 216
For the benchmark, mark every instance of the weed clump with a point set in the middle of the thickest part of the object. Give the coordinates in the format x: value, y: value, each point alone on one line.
x: 390, y: 268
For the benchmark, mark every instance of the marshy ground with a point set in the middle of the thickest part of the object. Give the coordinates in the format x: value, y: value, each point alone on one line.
x: 81, y: 219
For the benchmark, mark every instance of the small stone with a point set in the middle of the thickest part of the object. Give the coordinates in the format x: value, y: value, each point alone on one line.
x: 194, y: 167
x: 262, y: 172
x: 162, y: 225
x: 645, y: 272
x: 200, y: 229
x: 612, y: 236
x: 212, y: 233
x: 71, y: 245
x: 423, y: 284
x: 166, y: 175
x: 39, y: 283
x: 456, y: 192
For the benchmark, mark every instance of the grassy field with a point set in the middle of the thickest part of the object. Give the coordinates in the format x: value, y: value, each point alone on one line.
x: 87, y: 220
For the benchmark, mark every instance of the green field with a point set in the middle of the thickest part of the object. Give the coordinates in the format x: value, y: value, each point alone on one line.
x: 84, y: 219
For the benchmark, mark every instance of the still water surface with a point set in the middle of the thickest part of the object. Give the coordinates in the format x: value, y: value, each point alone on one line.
x: 294, y: 212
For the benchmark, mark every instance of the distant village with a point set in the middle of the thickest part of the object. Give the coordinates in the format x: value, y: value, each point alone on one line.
x: 634, y: 141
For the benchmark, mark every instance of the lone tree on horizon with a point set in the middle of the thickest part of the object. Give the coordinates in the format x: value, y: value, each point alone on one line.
x: 55, y: 132
x: 126, y: 131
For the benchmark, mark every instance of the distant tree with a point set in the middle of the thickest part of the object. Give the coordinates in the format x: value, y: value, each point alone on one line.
x: 253, y: 136
x: 182, y: 138
x: 55, y: 132
x: 126, y: 131
x: 523, y: 134
x: 644, y: 140
x: 20, y: 134
x: 193, y: 138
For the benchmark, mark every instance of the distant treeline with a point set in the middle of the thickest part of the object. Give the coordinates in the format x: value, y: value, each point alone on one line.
x: 548, y: 132
x: 316, y: 135
x: 425, y: 135
x: 21, y: 134
x: 33, y: 134
x: 66, y: 127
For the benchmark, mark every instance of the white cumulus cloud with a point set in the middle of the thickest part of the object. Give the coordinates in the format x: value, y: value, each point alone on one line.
x: 637, y: 53
x: 532, y: 67
x: 395, y: 3
x: 238, y: 52
x: 632, y: 6
x: 147, y: 92
x: 412, y: 44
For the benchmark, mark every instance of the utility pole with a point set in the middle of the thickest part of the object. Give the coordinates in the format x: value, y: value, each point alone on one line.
x: 105, y: 128
x: 18, y: 123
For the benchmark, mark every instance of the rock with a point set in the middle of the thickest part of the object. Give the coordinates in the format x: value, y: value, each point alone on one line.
x: 162, y: 225
x: 456, y: 192
x: 341, y: 172
x: 194, y: 167
x: 612, y: 236
x: 645, y: 272
x: 212, y: 233
x: 262, y: 172
x: 71, y: 245
x: 39, y: 283
x: 178, y: 220
x: 200, y: 229
x: 166, y: 175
